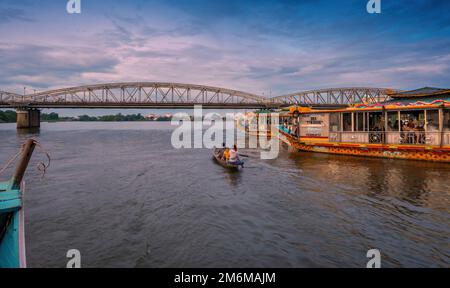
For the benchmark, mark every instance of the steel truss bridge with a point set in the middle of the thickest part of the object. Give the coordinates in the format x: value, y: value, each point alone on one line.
x: 336, y: 96
x: 175, y: 95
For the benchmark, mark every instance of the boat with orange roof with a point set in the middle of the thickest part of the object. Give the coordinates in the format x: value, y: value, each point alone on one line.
x: 409, y: 125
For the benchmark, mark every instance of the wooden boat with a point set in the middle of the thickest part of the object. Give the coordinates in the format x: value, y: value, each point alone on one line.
x: 12, y: 230
x: 227, y: 164
x: 412, y: 125
x: 249, y: 125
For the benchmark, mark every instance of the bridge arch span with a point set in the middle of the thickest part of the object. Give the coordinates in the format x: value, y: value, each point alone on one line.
x: 336, y: 96
x: 145, y: 94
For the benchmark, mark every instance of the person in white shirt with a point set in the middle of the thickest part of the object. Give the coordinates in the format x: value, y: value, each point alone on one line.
x: 234, y: 155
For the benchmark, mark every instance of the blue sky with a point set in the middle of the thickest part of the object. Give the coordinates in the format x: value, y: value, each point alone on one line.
x: 254, y: 46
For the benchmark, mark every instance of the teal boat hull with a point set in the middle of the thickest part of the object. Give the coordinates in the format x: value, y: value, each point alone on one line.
x: 12, y: 232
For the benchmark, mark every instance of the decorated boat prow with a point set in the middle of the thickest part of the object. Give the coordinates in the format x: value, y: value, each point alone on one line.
x: 12, y: 230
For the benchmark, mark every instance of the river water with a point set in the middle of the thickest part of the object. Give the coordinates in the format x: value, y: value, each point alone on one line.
x: 122, y: 196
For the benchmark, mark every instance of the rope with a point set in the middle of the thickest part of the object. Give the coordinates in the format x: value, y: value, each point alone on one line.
x: 41, y: 166
x: 10, y: 161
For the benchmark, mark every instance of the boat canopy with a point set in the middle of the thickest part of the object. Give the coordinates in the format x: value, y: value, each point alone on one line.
x: 424, y: 98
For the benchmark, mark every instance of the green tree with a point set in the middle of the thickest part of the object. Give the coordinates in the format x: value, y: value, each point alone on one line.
x: 7, y: 116
x: 87, y: 118
x: 50, y: 117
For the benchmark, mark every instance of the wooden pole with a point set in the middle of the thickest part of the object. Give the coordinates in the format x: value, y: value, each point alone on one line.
x: 23, y: 164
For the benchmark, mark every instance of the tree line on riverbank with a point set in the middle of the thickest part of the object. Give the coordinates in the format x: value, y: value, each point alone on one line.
x: 10, y: 117
x: 120, y: 118
x: 7, y: 116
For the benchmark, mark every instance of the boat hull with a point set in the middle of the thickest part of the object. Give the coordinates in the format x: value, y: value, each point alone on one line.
x: 371, y: 150
x: 226, y: 164
x: 12, y: 242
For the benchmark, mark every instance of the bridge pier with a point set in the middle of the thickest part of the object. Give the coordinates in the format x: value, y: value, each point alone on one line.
x: 28, y: 118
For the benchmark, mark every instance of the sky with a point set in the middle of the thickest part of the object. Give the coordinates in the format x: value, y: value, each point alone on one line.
x: 268, y: 48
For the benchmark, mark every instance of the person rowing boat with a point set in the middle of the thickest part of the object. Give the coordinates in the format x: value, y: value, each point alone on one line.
x: 229, y: 158
x: 234, y: 155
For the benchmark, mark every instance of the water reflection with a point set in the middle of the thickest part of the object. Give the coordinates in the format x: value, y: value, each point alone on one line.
x: 234, y: 178
x: 406, y: 180
x: 29, y: 131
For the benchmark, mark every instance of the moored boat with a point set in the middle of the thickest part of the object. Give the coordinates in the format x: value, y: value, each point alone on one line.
x: 411, y: 125
x: 12, y: 230
x: 256, y: 124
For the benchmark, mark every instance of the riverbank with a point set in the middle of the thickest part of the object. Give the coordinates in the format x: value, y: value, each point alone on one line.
x: 9, y: 116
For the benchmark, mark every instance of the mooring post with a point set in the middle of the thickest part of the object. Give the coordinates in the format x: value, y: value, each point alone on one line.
x: 27, y: 151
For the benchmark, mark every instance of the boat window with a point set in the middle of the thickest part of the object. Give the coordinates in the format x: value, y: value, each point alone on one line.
x: 334, y: 122
x: 347, y: 119
x: 447, y: 120
x: 393, y: 123
x: 412, y: 120
x: 376, y: 121
x: 433, y: 121
x: 359, y: 122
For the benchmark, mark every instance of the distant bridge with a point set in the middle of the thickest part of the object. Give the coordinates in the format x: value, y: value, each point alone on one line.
x: 335, y: 96
x: 175, y: 95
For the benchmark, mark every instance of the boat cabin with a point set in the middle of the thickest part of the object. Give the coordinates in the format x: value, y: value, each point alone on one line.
x: 419, y: 117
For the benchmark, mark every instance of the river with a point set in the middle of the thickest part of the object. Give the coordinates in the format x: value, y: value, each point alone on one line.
x: 122, y: 196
